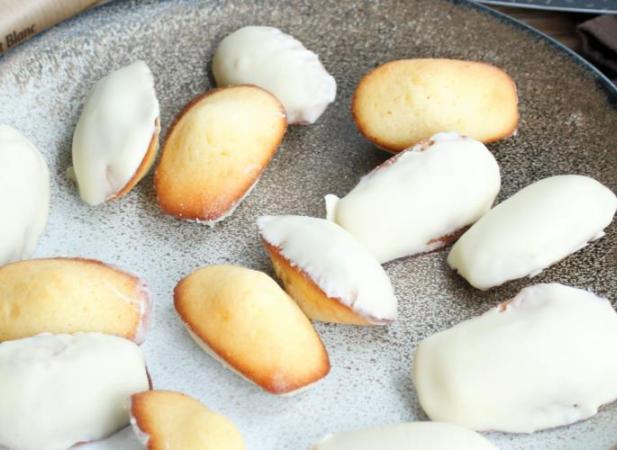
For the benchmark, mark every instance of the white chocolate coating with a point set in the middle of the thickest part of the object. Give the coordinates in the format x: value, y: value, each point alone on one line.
x: 546, y: 359
x: 114, y: 132
x: 335, y: 261
x: 146, y: 310
x: 407, y: 436
x: 278, y: 63
x: 406, y: 205
x: 535, y: 228
x: 58, y: 390
x: 24, y: 195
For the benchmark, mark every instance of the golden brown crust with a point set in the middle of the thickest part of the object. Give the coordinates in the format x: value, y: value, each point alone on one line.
x: 175, y: 421
x: 362, y: 127
x: 69, y: 295
x: 138, y: 409
x: 281, y: 370
x: 388, y: 143
x: 311, y: 299
x: 211, y: 199
x: 146, y: 163
x: 503, y: 306
x: 448, y: 238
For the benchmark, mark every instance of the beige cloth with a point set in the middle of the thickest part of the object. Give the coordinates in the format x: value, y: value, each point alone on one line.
x: 22, y: 19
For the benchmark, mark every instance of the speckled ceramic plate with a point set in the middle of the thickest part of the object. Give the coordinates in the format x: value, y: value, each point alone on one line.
x: 569, y: 125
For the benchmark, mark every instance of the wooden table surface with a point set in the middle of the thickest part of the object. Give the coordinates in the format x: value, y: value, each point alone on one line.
x: 561, y: 26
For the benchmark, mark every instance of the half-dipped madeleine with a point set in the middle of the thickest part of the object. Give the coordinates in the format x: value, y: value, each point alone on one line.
x: 403, y: 102
x: 117, y: 135
x: 69, y: 295
x: 245, y: 320
x: 166, y: 420
x: 331, y: 276
x: 216, y: 151
x: 421, y: 199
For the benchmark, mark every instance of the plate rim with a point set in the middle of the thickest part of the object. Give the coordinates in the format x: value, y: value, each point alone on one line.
x: 608, y: 86
x: 549, y: 8
x: 602, y: 80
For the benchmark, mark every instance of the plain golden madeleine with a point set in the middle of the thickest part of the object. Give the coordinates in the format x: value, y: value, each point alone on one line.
x: 168, y: 420
x: 70, y: 295
x: 243, y: 318
x: 216, y: 150
x: 403, y: 102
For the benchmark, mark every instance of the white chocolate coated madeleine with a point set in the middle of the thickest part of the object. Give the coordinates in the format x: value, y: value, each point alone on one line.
x: 24, y: 195
x: 535, y: 228
x: 401, y: 103
x: 331, y: 276
x: 278, y: 63
x: 407, y: 436
x: 59, y: 389
x: 418, y: 200
x: 544, y: 359
x: 70, y: 295
x: 166, y: 420
x: 246, y: 321
x: 116, y: 137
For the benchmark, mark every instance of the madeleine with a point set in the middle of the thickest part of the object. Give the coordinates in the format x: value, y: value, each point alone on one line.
x: 535, y: 228
x: 329, y: 274
x: 421, y: 199
x: 116, y: 138
x: 24, y: 195
x: 216, y: 151
x: 69, y: 295
x: 165, y: 420
x: 546, y: 358
x: 246, y: 321
x: 58, y: 390
x: 279, y: 63
x: 403, y: 102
